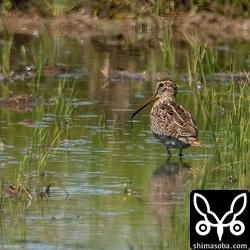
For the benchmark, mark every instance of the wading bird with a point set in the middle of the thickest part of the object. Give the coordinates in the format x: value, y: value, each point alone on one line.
x: 171, y: 123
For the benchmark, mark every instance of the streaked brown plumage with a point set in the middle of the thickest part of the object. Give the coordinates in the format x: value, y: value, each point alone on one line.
x: 171, y: 123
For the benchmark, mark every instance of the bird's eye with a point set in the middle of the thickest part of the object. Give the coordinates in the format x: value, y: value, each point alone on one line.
x: 161, y: 84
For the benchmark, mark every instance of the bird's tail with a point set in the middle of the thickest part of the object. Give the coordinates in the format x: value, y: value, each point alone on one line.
x: 194, y: 142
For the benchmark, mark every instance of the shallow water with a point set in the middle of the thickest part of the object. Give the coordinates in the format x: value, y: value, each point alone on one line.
x: 112, y: 185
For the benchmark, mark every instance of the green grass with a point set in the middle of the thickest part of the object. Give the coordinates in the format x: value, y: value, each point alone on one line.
x: 224, y: 109
x: 32, y: 173
x: 56, y: 7
x: 5, y: 7
x: 236, y: 133
x: 168, y: 50
x: 227, y: 110
x: 5, y: 54
x: 30, y: 180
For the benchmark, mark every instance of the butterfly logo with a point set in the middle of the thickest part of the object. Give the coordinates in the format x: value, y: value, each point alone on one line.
x: 203, y: 227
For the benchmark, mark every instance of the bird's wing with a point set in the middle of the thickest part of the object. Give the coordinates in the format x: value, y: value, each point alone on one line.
x: 174, y: 120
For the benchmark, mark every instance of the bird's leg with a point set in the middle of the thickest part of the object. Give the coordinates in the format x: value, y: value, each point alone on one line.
x: 180, y: 154
x: 181, y: 163
x: 169, y: 152
x: 169, y: 158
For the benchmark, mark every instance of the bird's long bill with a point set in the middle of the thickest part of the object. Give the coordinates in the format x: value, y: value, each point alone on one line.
x: 153, y: 98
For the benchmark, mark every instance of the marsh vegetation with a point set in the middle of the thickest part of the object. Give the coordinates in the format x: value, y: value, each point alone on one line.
x: 71, y: 164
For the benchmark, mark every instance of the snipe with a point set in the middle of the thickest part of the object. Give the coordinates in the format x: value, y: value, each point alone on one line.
x: 171, y: 123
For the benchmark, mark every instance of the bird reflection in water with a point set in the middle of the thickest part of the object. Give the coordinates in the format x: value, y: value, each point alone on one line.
x: 167, y: 186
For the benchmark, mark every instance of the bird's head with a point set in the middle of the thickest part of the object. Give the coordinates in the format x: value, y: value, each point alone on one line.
x: 166, y: 89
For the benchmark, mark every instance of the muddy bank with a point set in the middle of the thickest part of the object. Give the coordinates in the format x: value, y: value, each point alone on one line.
x: 204, y: 26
